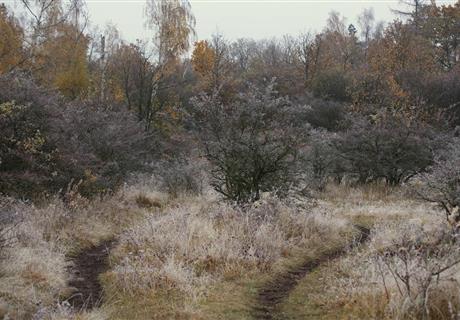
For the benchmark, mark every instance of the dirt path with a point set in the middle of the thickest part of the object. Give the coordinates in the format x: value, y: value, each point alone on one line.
x: 87, y: 266
x: 276, y: 290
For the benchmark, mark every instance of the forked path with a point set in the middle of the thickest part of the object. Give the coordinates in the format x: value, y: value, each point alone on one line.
x: 86, y: 268
x: 275, y: 291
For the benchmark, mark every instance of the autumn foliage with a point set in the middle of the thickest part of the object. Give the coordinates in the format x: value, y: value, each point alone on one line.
x: 95, y: 86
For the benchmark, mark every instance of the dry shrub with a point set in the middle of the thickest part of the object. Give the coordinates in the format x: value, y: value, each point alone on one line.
x: 143, y: 201
x: 182, y: 177
x: 441, y: 185
x: 386, y: 149
x: 251, y: 143
x: 143, y: 190
x: 47, y: 142
x: 9, y: 220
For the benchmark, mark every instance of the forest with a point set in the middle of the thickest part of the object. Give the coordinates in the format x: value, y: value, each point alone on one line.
x: 308, y: 176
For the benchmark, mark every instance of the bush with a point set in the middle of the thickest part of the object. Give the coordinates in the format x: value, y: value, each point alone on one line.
x: 420, y: 269
x: 387, y: 149
x: 442, y: 92
x: 182, y: 177
x: 323, y: 163
x: 143, y: 201
x: 325, y: 114
x: 320, y: 113
x: 27, y: 158
x: 441, y: 184
x: 331, y: 85
x: 371, y: 93
x: 9, y: 221
x: 104, y: 145
x: 46, y: 142
x: 251, y: 143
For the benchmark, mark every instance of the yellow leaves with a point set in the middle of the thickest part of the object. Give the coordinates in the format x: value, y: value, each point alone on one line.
x: 8, y: 109
x: 173, y: 23
x: 203, y: 57
x: 401, y: 49
x: 64, y: 63
x: 74, y: 79
x: 11, y: 36
x: 395, y: 88
x: 118, y: 93
x: 29, y: 141
x: 33, y: 144
x: 89, y: 176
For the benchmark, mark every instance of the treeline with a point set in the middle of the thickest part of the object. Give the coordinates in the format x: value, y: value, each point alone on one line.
x: 361, y: 103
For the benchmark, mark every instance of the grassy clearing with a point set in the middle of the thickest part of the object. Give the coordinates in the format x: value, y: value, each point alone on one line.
x: 205, y: 258
x: 195, y: 257
x: 33, y: 269
x: 359, y: 285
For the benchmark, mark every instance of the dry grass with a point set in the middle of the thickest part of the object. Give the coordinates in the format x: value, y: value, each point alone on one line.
x: 195, y: 257
x: 34, y: 269
x: 196, y: 244
x: 411, y: 249
x: 363, y: 285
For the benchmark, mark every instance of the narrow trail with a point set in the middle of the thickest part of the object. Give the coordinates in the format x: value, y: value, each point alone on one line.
x: 87, y: 266
x: 276, y: 290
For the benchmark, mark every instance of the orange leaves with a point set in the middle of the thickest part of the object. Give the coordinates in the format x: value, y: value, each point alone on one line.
x: 203, y: 57
x: 11, y: 35
x: 174, y: 25
x: 401, y: 49
x: 65, y: 64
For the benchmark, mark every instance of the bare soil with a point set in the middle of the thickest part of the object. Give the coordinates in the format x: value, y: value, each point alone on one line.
x: 277, y: 289
x: 86, y: 268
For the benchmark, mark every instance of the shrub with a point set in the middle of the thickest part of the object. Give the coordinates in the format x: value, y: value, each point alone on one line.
x: 387, y: 149
x: 104, y: 145
x: 325, y: 114
x: 323, y: 163
x: 182, y: 177
x: 8, y: 223
x: 419, y: 269
x: 331, y: 85
x: 442, y: 92
x: 46, y: 142
x: 441, y: 184
x: 371, y: 92
x: 144, y: 201
x: 251, y: 143
x: 26, y: 156
x: 319, y: 113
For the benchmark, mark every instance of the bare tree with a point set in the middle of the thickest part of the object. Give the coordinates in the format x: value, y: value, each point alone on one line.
x: 306, y: 50
x: 174, y: 26
x: 413, y: 12
x: 366, y: 22
x: 220, y: 66
x: 47, y: 15
x: 441, y: 185
x: 242, y: 52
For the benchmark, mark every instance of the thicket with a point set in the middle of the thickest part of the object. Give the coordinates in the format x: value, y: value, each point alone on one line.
x: 94, y: 108
x: 47, y: 142
x: 441, y: 184
x: 251, y: 143
x: 386, y: 149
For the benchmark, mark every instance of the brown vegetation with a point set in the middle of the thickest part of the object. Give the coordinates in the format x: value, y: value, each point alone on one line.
x: 232, y: 178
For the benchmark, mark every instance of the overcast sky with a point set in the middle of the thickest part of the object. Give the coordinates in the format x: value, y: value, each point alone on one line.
x: 241, y: 18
